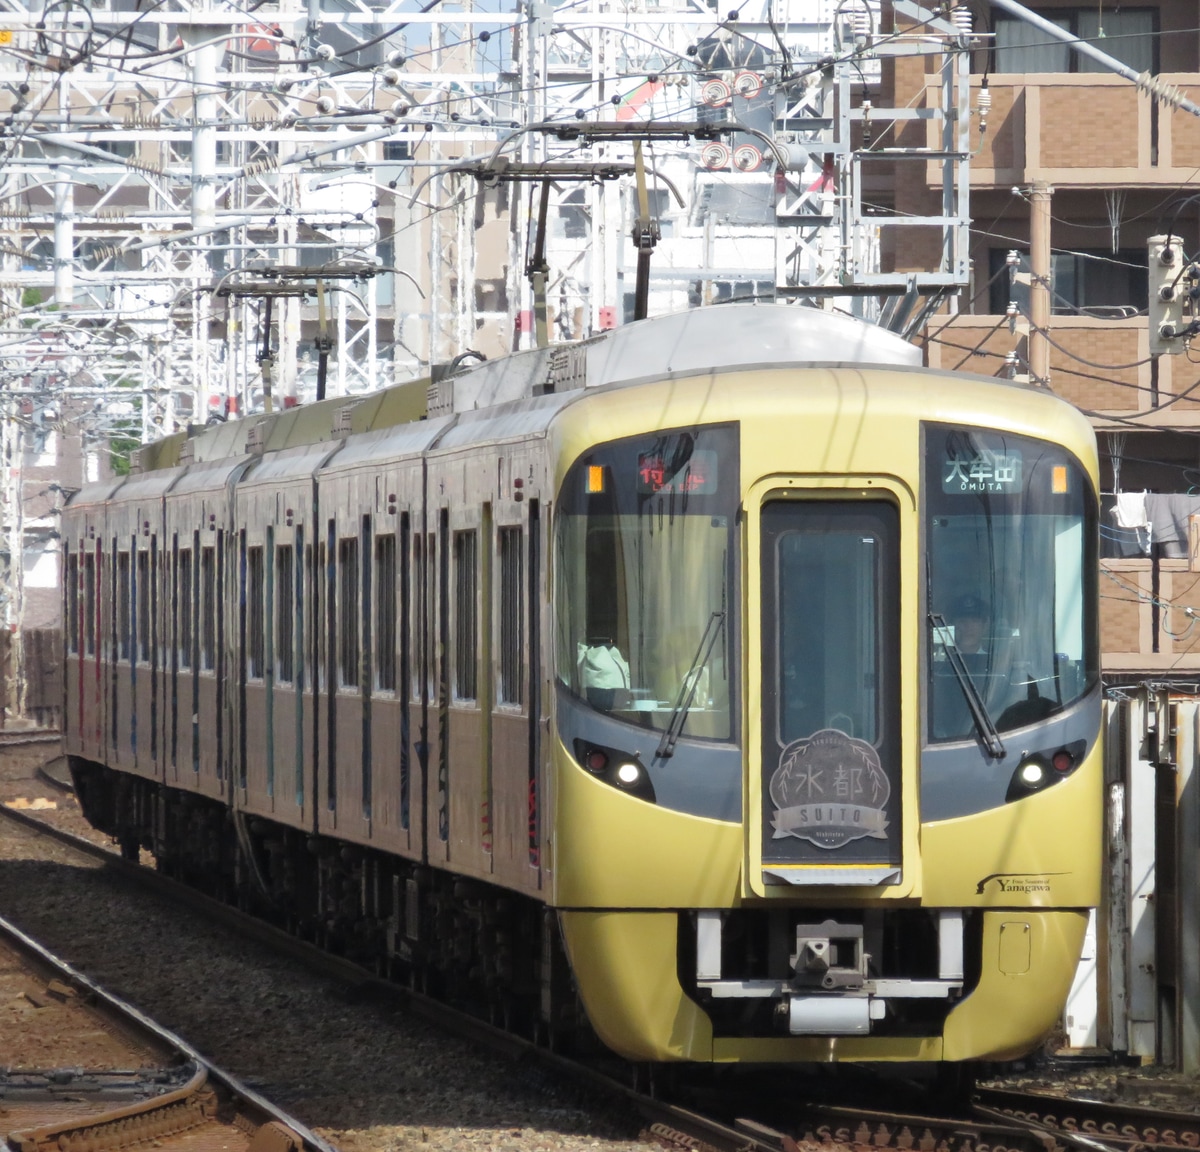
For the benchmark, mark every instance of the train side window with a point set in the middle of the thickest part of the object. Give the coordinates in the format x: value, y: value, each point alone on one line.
x: 185, y: 608
x: 208, y: 609
x: 348, y: 623
x: 512, y: 616
x: 406, y: 639
x: 385, y: 612
x: 418, y: 610
x: 307, y: 674
x: 124, y: 591
x: 89, y: 604
x: 72, y: 599
x: 155, y: 631
x: 285, y: 614
x: 466, y: 613
x: 141, y: 593
x: 254, y: 613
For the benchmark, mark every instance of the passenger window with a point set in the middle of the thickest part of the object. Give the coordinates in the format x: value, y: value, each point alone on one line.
x: 141, y: 593
x: 466, y: 613
x: 285, y: 614
x: 348, y: 647
x: 418, y: 609
x: 184, y: 607
x: 208, y: 609
x: 89, y: 604
x: 124, y: 592
x: 385, y: 612
x: 255, y: 666
x: 72, y: 600
x: 512, y: 616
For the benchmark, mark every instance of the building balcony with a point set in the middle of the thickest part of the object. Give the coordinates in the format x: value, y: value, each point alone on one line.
x: 1088, y: 361
x: 1079, y: 131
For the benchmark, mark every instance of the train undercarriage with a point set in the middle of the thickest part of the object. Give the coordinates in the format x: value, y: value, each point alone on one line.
x: 495, y: 953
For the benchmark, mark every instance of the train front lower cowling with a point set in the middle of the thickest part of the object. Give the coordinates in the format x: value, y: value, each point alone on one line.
x: 731, y: 676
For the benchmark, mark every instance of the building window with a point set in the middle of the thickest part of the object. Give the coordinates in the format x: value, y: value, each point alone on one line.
x: 254, y: 613
x: 573, y: 214
x: 1090, y: 282
x: 512, y: 616
x: 348, y: 582
x: 385, y: 612
x: 208, y: 609
x: 466, y: 613
x: 285, y: 614
x: 123, y: 594
x: 1130, y: 34
x: 184, y: 608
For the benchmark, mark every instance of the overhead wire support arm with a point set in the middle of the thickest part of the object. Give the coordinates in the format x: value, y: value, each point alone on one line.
x: 537, y: 269
x: 645, y: 237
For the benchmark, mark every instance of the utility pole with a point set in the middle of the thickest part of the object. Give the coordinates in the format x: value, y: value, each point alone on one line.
x: 1039, y: 287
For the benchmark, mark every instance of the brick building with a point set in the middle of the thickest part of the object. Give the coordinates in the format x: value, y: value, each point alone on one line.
x: 1120, y: 163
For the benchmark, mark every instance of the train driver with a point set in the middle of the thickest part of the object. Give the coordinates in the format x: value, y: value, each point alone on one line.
x: 970, y: 617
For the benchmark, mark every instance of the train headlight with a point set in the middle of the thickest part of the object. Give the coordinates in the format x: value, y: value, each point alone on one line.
x: 1031, y: 773
x: 628, y: 773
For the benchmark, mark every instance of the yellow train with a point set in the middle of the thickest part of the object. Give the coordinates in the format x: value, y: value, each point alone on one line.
x: 729, y: 681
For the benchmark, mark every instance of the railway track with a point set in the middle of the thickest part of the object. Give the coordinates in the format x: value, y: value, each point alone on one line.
x: 83, y: 1071
x: 1000, y: 1120
x: 1123, y: 1126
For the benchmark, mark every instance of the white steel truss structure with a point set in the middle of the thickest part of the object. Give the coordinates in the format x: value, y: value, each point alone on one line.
x: 209, y: 206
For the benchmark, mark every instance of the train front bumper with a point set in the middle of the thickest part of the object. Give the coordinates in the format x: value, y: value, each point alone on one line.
x: 627, y: 969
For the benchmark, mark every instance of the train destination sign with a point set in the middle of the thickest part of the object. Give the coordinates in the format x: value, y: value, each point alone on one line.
x: 697, y: 475
x: 982, y: 471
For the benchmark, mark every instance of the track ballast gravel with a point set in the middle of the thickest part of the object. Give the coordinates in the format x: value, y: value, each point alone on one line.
x: 367, y: 1077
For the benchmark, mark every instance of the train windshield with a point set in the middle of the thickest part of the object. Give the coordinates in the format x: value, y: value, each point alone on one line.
x: 1011, y: 568
x: 644, y: 604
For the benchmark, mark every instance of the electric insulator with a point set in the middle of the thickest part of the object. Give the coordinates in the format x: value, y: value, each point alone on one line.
x: 961, y: 16
x: 325, y: 105
x: 862, y: 28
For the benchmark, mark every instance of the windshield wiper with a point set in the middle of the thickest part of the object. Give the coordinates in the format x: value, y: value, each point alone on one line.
x: 687, y: 692
x: 983, y: 721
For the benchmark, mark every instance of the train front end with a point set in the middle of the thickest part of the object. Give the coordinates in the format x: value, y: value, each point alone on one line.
x: 827, y: 775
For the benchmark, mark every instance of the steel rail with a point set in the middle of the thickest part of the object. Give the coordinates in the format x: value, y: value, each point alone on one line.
x: 1129, y: 1126
x: 154, y: 1117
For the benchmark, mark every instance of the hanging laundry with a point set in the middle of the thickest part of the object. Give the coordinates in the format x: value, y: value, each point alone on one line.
x: 1131, y: 510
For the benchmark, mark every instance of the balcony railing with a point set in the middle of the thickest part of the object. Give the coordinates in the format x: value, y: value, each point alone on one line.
x: 1081, y: 130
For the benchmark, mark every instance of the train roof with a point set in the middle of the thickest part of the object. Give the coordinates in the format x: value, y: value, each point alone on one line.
x: 728, y: 337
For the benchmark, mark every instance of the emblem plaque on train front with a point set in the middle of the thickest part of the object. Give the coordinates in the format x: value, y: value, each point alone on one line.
x: 829, y: 789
